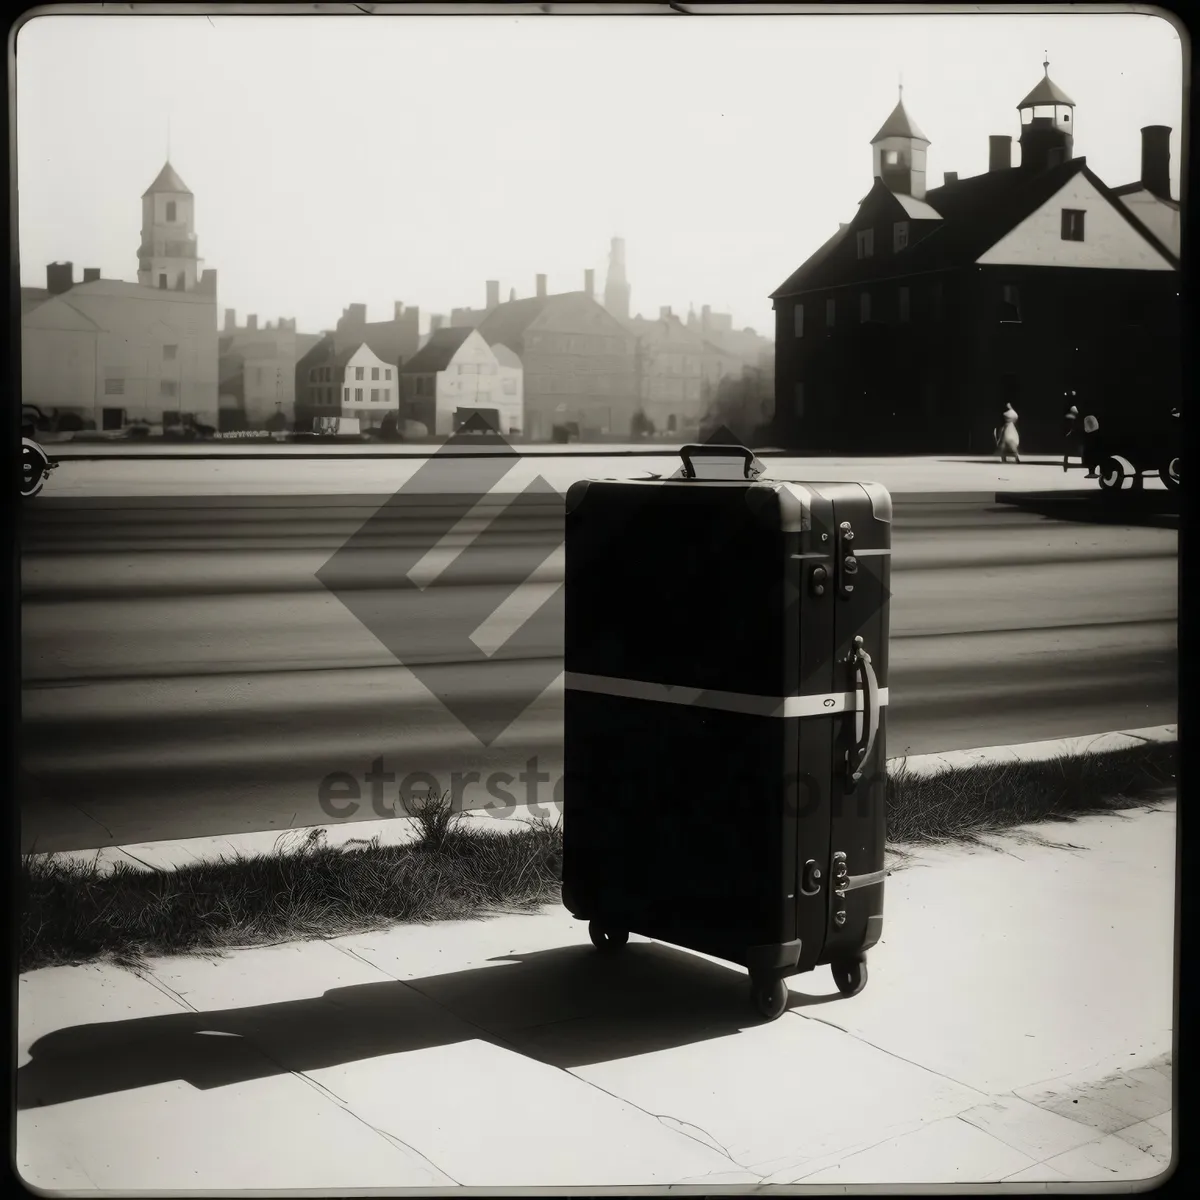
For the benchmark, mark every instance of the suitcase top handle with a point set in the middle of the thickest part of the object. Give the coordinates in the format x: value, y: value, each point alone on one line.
x: 720, y: 466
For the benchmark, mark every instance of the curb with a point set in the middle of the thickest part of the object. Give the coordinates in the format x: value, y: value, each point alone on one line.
x: 398, y: 830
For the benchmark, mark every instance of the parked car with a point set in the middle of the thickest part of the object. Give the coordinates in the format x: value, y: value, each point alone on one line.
x: 1129, y: 450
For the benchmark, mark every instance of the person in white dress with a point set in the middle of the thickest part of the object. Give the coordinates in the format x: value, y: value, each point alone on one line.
x: 1007, y: 440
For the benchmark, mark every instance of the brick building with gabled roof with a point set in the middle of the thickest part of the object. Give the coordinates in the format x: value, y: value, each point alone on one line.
x: 913, y: 325
x: 579, y: 362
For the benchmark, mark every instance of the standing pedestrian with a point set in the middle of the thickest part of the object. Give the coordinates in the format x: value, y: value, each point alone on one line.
x: 1007, y: 440
x: 1073, y: 435
x: 1090, y: 456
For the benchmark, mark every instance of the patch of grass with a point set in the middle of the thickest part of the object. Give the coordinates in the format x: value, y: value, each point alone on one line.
x: 961, y: 804
x: 458, y: 869
x: 79, y: 912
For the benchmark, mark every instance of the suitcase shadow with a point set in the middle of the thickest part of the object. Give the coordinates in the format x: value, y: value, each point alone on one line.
x: 568, y: 1007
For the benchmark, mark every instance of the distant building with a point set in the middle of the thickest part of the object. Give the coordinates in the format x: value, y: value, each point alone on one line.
x: 912, y: 327
x: 394, y: 341
x: 352, y: 381
x: 580, y: 362
x: 258, y: 371
x: 457, y: 374
x: 678, y: 372
x: 105, y: 352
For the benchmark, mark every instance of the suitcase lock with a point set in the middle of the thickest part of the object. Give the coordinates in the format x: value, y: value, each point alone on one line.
x: 810, y: 882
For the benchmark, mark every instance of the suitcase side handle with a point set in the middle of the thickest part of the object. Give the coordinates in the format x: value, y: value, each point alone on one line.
x: 752, y: 468
x: 861, y: 754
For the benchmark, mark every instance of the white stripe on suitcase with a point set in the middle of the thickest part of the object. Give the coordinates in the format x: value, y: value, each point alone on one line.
x: 823, y: 704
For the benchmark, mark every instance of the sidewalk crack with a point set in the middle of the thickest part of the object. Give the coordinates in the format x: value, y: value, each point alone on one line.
x: 893, y: 1054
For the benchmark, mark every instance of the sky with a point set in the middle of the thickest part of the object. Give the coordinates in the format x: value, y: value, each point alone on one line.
x: 374, y: 159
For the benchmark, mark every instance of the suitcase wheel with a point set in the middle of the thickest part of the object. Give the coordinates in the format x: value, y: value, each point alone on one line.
x: 850, y: 975
x: 770, y: 996
x: 607, y: 939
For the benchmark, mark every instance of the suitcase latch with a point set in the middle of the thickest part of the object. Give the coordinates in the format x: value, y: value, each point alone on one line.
x: 847, y: 563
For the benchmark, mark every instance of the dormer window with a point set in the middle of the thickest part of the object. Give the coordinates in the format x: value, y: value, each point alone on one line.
x: 866, y: 243
x: 1072, y: 224
x: 899, y: 236
x: 891, y: 158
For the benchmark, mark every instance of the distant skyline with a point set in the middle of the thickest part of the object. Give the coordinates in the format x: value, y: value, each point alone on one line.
x: 338, y: 161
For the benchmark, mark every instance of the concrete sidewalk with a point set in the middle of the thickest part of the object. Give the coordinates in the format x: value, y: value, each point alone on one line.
x: 132, y: 475
x: 1017, y: 1026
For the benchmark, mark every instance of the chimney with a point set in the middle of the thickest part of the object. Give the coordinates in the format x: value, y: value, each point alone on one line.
x: 60, y: 277
x: 398, y: 311
x: 252, y: 321
x: 999, y: 152
x: 589, y: 282
x: 541, y: 286
x: 91, y: 274
x: 705, y: 313
x: 435, y: 322
x: 951, y: 177
x: 664, y: 313
x: 230, y: 319
x: 512, y: 294
x: 493, y: 293
x: 1156, y: 160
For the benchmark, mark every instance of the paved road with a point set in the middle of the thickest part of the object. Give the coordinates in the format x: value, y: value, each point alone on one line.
x: 185, y: 674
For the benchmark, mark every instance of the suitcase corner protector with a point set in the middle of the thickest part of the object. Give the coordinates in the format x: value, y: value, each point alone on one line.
x: 776, y: 956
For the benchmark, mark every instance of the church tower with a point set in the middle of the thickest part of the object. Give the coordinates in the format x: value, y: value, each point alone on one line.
x: 616, y: 286
x: 1047, y: 125
x: 167, y: 256
x: 898, y: 153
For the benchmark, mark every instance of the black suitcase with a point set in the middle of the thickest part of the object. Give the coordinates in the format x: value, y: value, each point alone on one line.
x: 726, y: 690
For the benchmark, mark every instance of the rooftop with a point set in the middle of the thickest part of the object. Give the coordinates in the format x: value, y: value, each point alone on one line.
x: 899, y: 124
x: 168, y: 181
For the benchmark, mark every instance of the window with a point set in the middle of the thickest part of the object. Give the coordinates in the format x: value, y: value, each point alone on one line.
x: 345, y: 395
x: 312, y: 375
x: 904, y: 304
x: 866, y: 243
x: 170, y: 352
x: 1010, y: 304
x: 374, y: 372
x: 1072, y: 225
x: 170, y: 210
x: 167, y: 387
x: 899, y: 236
x: 830, y: 313
x: 162, y: 282
x: 387, y: 374
x: 358, y: 372
x: 798, y: 400
x: 891, y: 157
x: 375, y: 391
x: 798, y: 319
x: 864, y: 306
x: 114, y: 387
x: 358, y: 395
